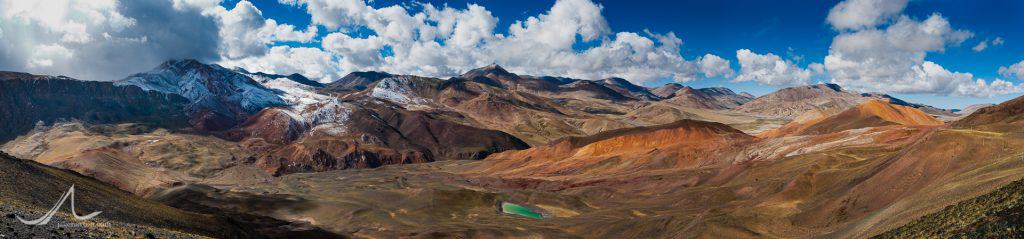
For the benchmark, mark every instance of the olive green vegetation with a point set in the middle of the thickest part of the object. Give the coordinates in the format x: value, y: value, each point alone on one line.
x: 515, y: 209
x: 998, y: 214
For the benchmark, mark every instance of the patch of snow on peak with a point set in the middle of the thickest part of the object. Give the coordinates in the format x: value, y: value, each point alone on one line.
x: 333, y: 111
x: 399, y: 90
x: 330, y: 118
x: 297, y: 95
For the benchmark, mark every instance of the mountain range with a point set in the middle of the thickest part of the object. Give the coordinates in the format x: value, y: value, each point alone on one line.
x: 382, y: 155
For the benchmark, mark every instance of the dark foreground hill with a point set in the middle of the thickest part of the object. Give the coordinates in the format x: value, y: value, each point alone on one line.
x: 999, y: 214
x: 28, y: 189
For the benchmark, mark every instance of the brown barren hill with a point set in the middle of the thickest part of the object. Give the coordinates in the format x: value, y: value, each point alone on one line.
x: 791, y: 102
x: 679, y: 145
x: 871, y: 113
x: 1010, y: 112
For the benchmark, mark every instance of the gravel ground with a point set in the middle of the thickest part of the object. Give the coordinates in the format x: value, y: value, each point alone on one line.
x: 63, y: 226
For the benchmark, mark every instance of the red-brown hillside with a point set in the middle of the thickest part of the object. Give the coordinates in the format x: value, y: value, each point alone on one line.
x: 683, y: 144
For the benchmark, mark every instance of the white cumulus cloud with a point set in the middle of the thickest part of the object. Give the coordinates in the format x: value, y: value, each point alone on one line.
x: 984, y: 44
x: 110, y: 39
x: 310, y: 62
x: 879, y: 51
x: 1015, y: 70
x: 770, y: 69
x: 858, y: 14
x: 713, y: 66
x: 245, y: 32
x: 101, y: 39
x: 446, y: 41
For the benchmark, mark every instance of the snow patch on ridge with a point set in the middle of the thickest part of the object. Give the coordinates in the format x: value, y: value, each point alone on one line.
x: 333, y: 111
x: 205, y: 85
x: 398, y: 89
x: 323, y: 113
x: 331, y: 118
x: 298, y: 96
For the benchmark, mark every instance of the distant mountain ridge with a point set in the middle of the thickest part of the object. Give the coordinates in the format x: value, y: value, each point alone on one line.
x: 298, y: 125
x: 295, y: 77
x: 220, y: 98
x: 629, y: 89
x: 356, y: 81
x: 790, y: 103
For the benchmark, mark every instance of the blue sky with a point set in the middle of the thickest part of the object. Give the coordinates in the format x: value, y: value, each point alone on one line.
x: 919, y: 50
x: 793, y: 29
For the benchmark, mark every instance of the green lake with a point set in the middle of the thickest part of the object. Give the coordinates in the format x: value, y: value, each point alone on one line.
x: 515, y: 209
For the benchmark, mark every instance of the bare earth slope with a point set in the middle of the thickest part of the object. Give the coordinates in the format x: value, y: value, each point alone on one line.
x: 132, y: 157
x: 28, y: 189
x: 671, y: 146
x: 870, y: 113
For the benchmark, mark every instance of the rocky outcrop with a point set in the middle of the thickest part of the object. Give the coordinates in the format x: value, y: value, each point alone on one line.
x: 326, y: 153
x: 27, y: 99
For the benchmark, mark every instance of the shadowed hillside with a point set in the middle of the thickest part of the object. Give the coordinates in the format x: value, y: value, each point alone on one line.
x: 28, y: 189
x: 33, y: 188
x: 999, y: 214
x: 27, y: 99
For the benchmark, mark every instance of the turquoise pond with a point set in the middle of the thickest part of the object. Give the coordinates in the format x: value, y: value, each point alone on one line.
x: 515, y: 209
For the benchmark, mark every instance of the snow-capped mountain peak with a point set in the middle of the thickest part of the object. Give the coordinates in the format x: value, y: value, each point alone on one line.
x: 215, y: 92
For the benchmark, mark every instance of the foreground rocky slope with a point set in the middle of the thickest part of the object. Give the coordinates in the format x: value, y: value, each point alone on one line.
x: 994, y: 215
x: 27, y: 189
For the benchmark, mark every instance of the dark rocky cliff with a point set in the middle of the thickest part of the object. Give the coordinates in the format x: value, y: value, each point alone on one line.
x: 26, y: 99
